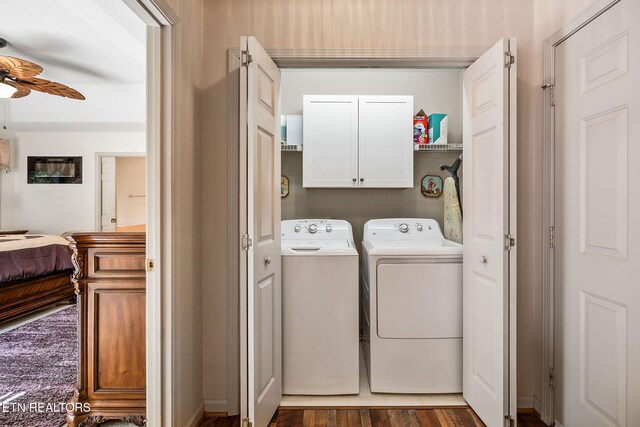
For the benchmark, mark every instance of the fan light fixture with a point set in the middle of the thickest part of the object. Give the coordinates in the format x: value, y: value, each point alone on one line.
x: 6, y: 91
x: 18, y: 79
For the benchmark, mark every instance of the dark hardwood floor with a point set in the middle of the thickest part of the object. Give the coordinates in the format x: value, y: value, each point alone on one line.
x: 375, y: 417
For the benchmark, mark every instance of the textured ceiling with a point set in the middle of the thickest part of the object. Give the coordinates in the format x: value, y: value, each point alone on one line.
x: 76, y: 41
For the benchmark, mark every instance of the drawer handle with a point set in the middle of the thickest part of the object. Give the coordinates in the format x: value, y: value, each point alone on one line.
x: 361, y: 179
x: 483, y: 259
x: 267, y: 260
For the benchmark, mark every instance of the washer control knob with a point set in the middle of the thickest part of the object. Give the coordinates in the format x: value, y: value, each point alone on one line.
x: 329, y: 228
x: 419, y: 227
x: 296, y: 228
x: 404, y: 228
x: 313, y: 228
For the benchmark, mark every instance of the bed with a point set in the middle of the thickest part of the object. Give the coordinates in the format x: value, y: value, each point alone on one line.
x: 35, y: 272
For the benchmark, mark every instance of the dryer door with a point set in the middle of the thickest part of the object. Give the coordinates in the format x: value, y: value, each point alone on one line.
x: 419, y: 300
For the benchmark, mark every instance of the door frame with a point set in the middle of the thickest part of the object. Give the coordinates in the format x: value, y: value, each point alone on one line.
x: 547, y: 410
x: 434, y: 58
x: 98, y: 178
x: 162, y: 130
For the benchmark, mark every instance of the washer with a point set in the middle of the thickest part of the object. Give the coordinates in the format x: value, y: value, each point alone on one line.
x: 411, y: 307
x: 320, y: 333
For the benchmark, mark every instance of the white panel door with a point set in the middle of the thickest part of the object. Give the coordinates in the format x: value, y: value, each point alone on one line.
x: 260, y: 125
x: 489, y: 261
x: 108, y: 193
x: 597, y: 204
x: 330, y: 138
x: 386, y: 141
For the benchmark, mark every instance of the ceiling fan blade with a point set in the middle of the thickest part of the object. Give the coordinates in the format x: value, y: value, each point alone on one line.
x: 17, y: 67
x: 52, y: 88
x: 22, y: 90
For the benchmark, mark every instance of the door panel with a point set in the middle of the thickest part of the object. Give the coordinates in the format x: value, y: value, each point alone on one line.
x: 597, y: 242
x: 330, y: 135
x: 386, y: 141
x: 262, y: 331
x: 488, y: 279
x: 108, y: 193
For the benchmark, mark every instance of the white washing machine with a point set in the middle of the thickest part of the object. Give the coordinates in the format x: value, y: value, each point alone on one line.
x: 412, y: 307
x: 320, y: 333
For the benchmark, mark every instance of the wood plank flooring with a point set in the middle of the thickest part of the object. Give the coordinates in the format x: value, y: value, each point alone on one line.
x: 375, y: 417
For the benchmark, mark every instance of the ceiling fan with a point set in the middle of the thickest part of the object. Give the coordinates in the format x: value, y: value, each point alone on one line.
x: 17, y: 79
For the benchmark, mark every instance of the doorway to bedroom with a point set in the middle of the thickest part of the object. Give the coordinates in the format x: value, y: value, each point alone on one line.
x: 50, y: 189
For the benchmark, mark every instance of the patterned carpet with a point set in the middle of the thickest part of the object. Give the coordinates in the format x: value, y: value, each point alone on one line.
x: 38, y: 364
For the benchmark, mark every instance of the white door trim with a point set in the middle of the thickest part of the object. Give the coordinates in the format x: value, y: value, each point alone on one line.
x: 594, y: 10
x: 163, y: 126
x: 98, y: 190
x: 297, y: 58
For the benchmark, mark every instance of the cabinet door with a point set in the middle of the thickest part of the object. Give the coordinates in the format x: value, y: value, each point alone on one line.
x: 330, y: 138
x: 386, y: 141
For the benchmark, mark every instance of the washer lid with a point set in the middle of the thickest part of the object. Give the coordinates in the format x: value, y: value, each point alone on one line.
x: 317, y: 247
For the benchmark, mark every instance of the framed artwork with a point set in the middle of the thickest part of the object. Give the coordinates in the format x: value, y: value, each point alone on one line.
x: 431, y: 186
x: 284, y: 186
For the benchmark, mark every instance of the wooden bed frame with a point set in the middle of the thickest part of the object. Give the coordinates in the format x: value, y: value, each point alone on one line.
x: 26, y: 296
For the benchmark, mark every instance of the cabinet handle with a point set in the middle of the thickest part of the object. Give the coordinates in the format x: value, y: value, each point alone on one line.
x: 361, y: 179
x: 354, y: 179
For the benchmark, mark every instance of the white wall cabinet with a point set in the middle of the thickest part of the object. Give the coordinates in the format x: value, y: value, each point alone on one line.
x: 357, y: 141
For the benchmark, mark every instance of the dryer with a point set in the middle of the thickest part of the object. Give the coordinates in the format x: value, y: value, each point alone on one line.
x: 320, y: 332
x: 411, y: 296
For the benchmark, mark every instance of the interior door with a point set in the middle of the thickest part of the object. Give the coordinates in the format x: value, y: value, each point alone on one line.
x: 108, y: 193
x: 597, y: 235
x: 489, y: 255
x: 385, y: 148
x: 260, y: 127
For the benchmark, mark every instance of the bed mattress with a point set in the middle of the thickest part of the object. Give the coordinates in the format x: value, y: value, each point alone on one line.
x: 32, y: 255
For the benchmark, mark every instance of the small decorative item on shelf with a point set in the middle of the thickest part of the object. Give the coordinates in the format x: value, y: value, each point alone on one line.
x: 438, y: 128
x: 420, y: 128
x: 284, y: 186
x: 431, y: 186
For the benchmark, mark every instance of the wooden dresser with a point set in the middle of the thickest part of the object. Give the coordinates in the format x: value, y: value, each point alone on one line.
x: 110, y: 282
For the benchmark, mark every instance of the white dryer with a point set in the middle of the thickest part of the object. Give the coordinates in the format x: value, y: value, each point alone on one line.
x: 320, y: 333
x: 412, y: 307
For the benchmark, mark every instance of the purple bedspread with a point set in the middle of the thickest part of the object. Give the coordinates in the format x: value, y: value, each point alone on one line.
x: 28, y: 263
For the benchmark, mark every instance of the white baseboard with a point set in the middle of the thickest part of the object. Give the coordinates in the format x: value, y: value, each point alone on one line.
x: 537, y: 404
x: 557, y: 424
x: 525, y: 402
x: 215, y: 405
x: 195, y: 419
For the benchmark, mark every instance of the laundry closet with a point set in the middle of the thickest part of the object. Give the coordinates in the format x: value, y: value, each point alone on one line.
x: 352, y: 289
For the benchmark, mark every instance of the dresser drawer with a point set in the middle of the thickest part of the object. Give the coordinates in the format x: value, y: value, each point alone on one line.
x: 116, y: 262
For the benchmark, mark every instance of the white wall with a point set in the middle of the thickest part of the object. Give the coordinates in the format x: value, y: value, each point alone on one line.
x: 57, y: 208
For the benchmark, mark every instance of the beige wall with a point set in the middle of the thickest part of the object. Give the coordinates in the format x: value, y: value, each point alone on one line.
x: 363, y: 24
x: 186, y: 168
x: 131, y: 180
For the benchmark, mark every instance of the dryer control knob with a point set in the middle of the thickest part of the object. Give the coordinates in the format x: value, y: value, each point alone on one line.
x: 404, y: 228
x: 313, y: 228
x: 329, y: 228
x: 419, y: 227
x: 296, y: 229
